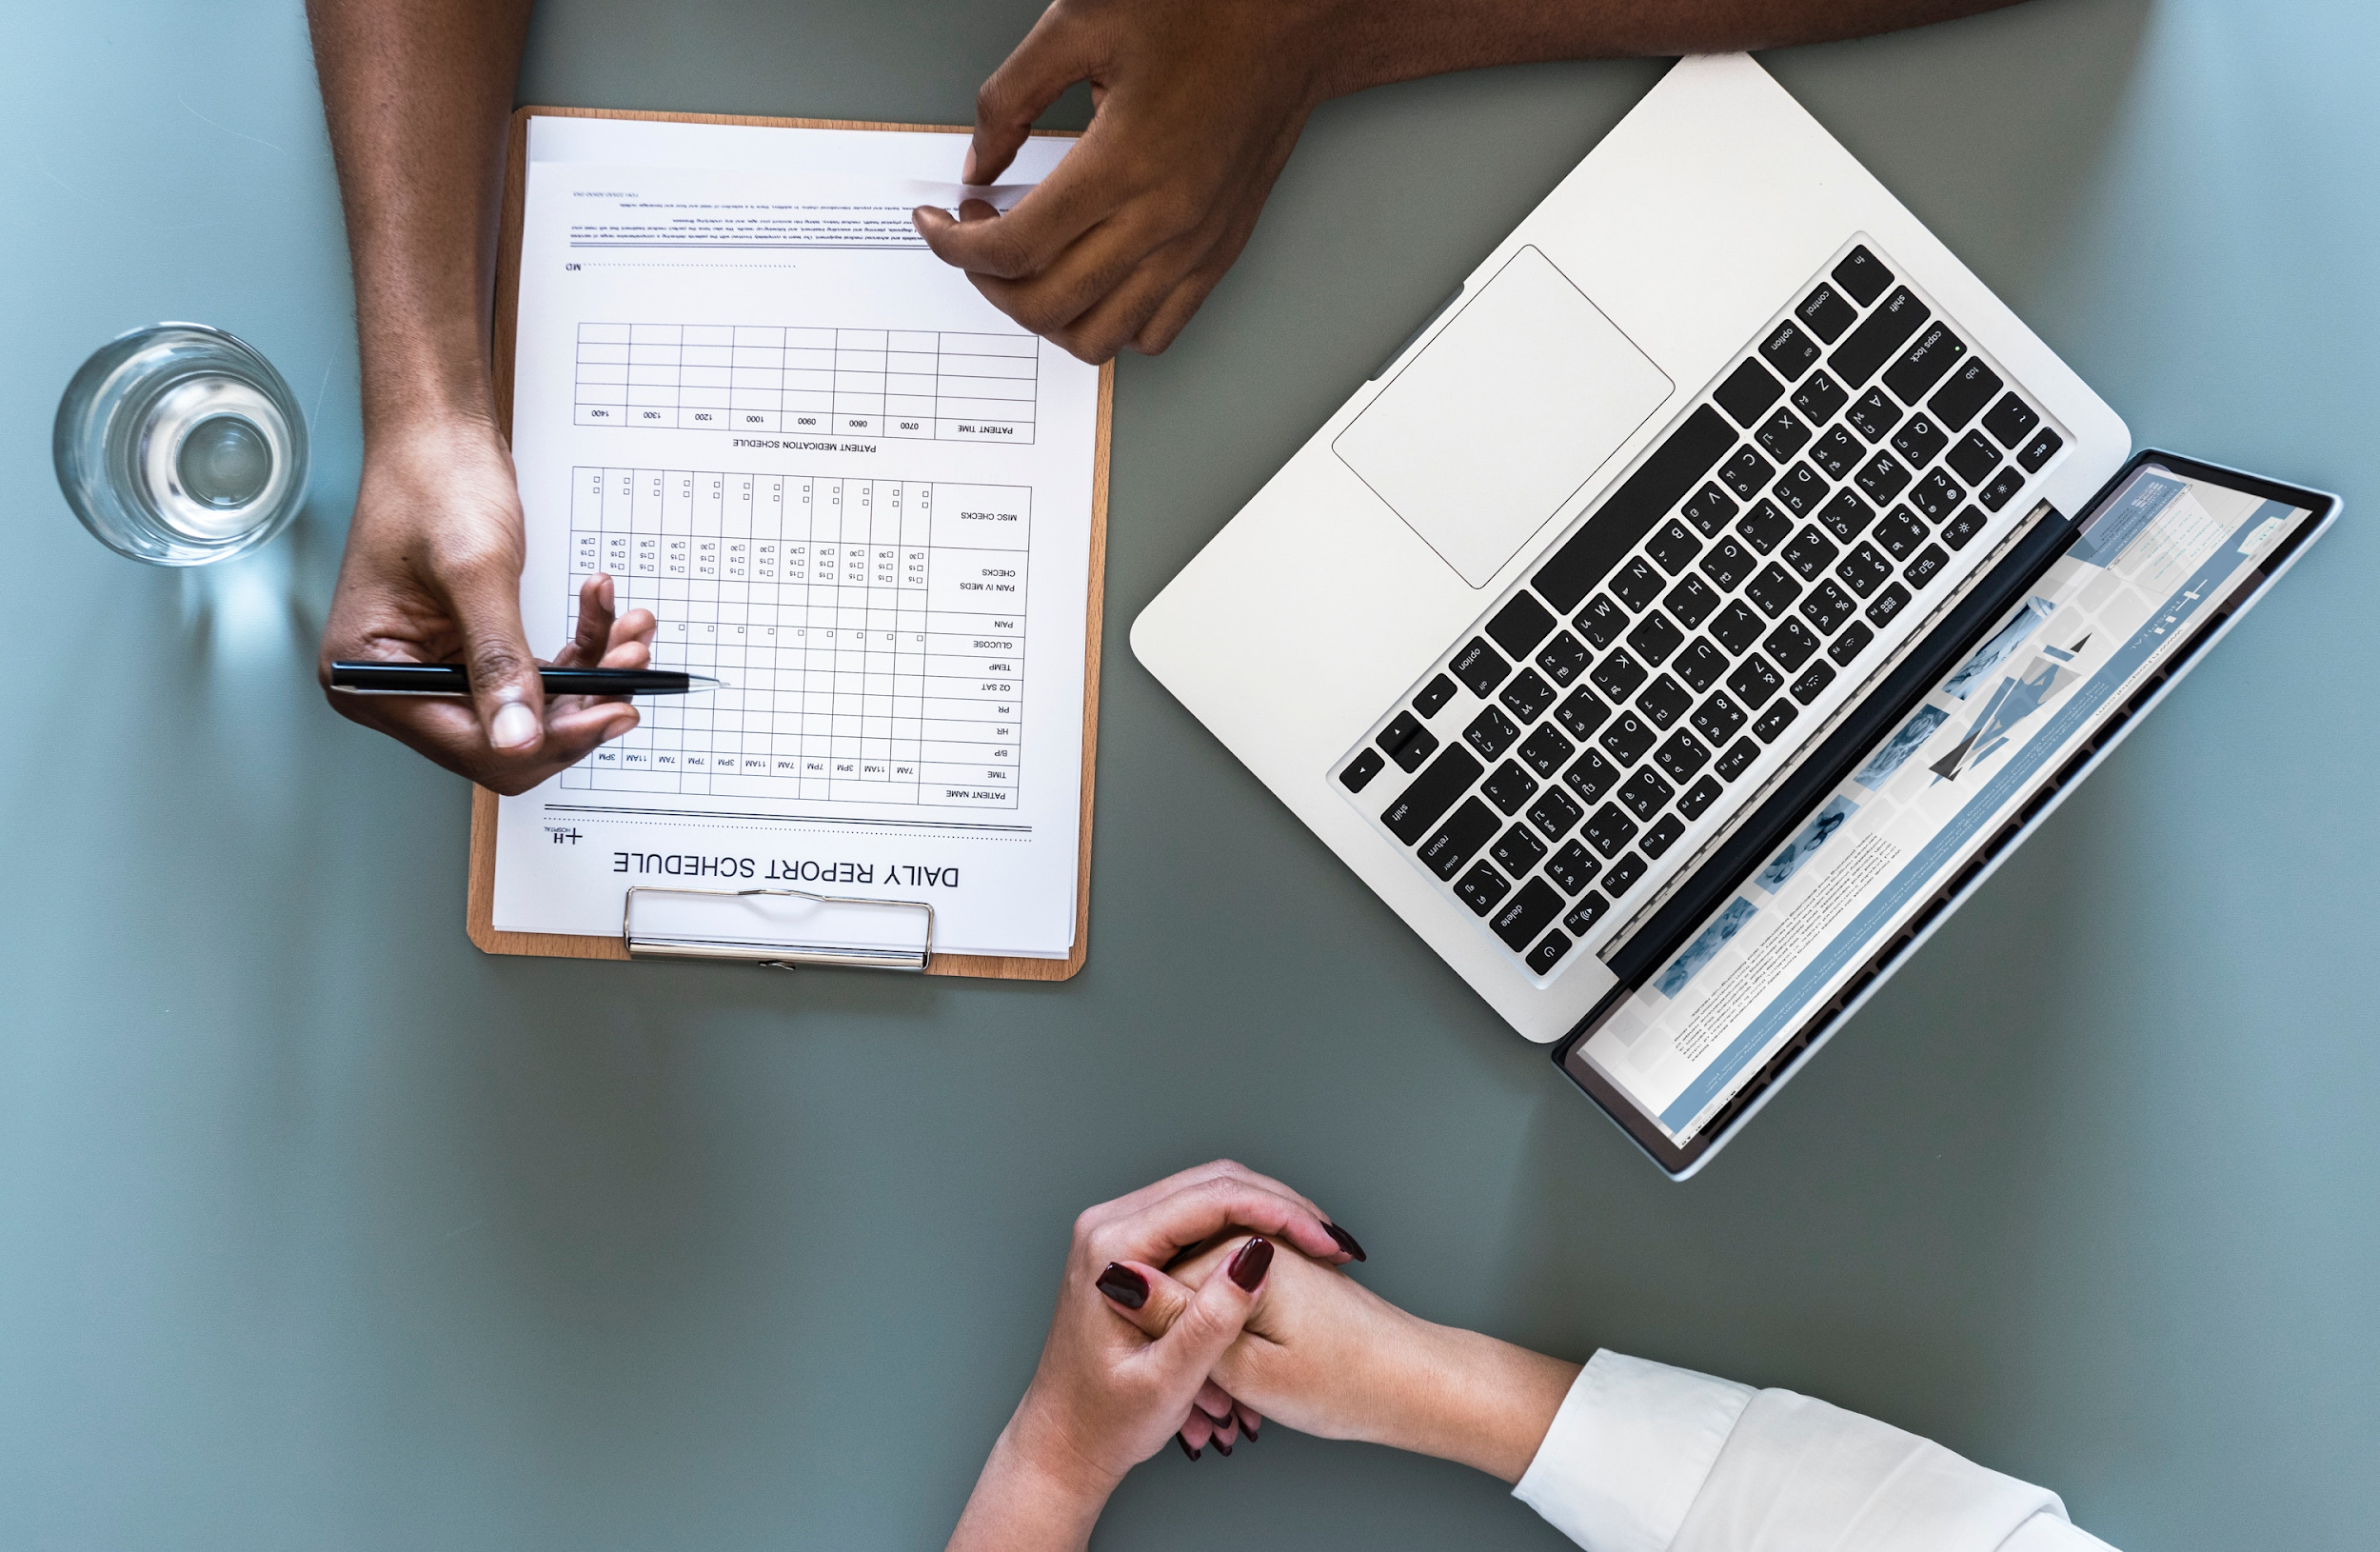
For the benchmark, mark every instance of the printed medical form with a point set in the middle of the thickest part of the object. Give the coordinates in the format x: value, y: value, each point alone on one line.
x: 847, y: 485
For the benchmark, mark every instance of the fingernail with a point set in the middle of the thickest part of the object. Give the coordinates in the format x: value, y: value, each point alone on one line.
x: 1223, y: 1422
x: 1249, y: 1262
x: 1127, y: 1286
x: 966, y: 169
x: 1248, y: 1429
x: 1346, y: 1241
x: 1186, y: 1447
x: 515, y: 726
x: 1224, y: 1449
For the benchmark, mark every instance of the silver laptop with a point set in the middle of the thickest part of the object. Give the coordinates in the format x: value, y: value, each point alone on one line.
x: 1686, y: 499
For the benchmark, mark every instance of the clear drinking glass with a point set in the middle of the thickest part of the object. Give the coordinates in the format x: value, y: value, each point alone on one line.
x: 180, y: 444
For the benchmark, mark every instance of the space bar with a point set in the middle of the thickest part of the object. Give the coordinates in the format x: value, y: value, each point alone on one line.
x: 1631, y: 511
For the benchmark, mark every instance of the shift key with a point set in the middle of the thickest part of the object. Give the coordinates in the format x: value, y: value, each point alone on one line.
x: 1430, y: 794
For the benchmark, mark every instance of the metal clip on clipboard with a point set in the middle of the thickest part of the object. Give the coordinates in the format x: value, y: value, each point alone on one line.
x: 837, y: 929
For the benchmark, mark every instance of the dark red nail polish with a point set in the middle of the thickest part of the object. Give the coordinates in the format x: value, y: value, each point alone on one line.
x: 1249, y: 1262
x: 1225, y: 1448
x: 1248, y: 1429
x: 1127, y: 1286
x: 1223, y: 1422
x: 1186, y: 1447
x: 1346, y: 1241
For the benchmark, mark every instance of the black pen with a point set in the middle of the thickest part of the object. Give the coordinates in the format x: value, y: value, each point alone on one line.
x: 453, y: 679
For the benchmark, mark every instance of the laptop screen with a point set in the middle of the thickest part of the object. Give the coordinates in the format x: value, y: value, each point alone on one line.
x: 2155, y: 561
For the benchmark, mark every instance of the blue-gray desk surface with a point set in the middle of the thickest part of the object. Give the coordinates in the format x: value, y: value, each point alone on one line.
x: 317, y: 1229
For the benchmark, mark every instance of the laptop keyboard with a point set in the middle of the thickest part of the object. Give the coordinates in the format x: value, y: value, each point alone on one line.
x: 1824, y: 487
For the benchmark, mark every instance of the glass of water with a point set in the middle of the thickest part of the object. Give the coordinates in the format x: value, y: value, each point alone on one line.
x: 180, y: 444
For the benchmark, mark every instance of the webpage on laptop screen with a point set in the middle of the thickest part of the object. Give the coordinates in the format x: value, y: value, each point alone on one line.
x: 2104, y: 618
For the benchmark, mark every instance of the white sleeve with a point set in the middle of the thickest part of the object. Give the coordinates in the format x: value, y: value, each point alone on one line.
x: 1644, y: 1458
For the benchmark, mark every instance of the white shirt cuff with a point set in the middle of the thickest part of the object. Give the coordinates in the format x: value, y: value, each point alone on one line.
x: 1628, y: 1452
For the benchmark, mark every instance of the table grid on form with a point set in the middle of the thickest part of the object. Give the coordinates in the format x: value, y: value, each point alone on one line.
x: 871, y: 633
x: 832, y: 382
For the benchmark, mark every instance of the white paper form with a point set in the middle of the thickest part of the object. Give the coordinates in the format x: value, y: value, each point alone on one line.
x: 845, y: 484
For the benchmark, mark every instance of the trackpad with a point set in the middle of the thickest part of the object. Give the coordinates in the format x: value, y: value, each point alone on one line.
x: 1487, y: 434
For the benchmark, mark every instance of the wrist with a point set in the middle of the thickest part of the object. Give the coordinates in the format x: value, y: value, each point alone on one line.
x: 1471, y: 1398
x: 1037, y: 1490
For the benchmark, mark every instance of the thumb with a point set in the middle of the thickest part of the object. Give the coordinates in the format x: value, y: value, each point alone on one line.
x: 1210, y: 1319
x: 505, y: 688
x: 1052, y: 58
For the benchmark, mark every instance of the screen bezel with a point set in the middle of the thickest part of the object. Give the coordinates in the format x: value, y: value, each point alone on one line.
x: 1680, y: 1161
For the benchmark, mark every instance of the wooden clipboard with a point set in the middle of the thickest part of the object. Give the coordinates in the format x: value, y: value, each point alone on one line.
x: 480, y: 916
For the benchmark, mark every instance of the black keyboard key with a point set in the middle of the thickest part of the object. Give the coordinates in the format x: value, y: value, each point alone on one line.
x: 1362, y: 769
x: 1819, y: 398
x: 1627, y: 738
x: 1739, y: 759
x: 1923, y: 570
x: 1827, y: 608
x: 1884, y: 478
x: 1699, y: 666
x: 1937, y: 495
x: 2040, y: 450
x: 1974, y: 459
x: 1644, y: 794
x: 1810, y: 553
x: 1482, y: 887
x: 1791, y: 645
x: 1765, y: 526
x: 1773, y: 589
x: 1748, y: 392
x: 1629, y: 513
x: 1519, y: 849
x: 1877, y: 340
x: 1563, y: 659
x: 1846, y: 515
x: 1664, y: 700
x: 1663, y: 836
x: 1717, y: 719
x: 1528, y: 696
x: 2012, y: 419
x: 1919, y: 440
x: 1789, y: 352
x: 1736, y: 627
x: 1432, y: 698
x: 1899, y: 533
x: 1428, y: 796
x: 1960, y: 528
x: 1655, y: 638
x: 1608, y: 830
x: 1586, y: 913
x: 1746, y: 472
x: 1865, y: 570
x: 1617, y: 676
x: 1863, y: 275
x: 1574, y: 867
x: 1600, y: 622
x: 1782, y: 435
x: 1778, y: 717
x: 1848, y: 646
x: 1709, y: 510
x: 1682, y: 755
x: 1624, y: 874
x: 1755, y: 680
x: 1399, y: 731
x: 1508, y: 786
x: 2004, y: 485
x: 1875, y: 415
x: 1963, y: 397
x: 1827, y: 313
x: 1548, y: 952
x: 1799, y: 488
x: 1727, y: 564
x: 1838, y: 452
x: 1674, y: 546
x: 1817, y: 678
x: 1638, y: 585
x: 1490, y: 732
x: 1520, y: 624
x: 1480, y: 669
x: 1545, y: 750
x: 1415, y: 750
x: 1555, y: 812
x: 1581, y: 712
x: 1696, y: 800
x: 1691, y: 602
x: 1934, y: 351
x: 1459, y: 839
x: 1591, y: 777
x: 1887, y: 603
